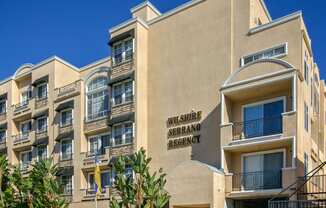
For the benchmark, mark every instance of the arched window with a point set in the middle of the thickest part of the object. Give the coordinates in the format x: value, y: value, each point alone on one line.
x: 97, y: 98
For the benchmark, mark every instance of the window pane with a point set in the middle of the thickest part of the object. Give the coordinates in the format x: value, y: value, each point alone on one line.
x: 2, y: 136
x: 42, y: 91
x: 66, y: 149
x: 117, y: 94
x: 118, y: 135
x: 128, y: 91
x: 2, y: 106
x: 117, y: 51
x: 128, y: 132
x: 128, y: 49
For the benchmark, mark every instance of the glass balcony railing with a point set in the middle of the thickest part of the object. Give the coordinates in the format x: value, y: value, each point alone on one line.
x: 257, y: 128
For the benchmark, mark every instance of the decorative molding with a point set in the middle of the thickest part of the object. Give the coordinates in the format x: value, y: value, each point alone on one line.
x: 145, y: 3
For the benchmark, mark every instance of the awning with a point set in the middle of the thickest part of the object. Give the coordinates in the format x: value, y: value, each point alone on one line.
x: 40, y: 114
x: 130, y: 75
x: 69, y: 134
x: 3, y: 126
x: 66, y: 105
x: 123, y: 36
x: 3, y: 96
x: 43, y: 141
x: 41, y: 80
x: 122, y: 118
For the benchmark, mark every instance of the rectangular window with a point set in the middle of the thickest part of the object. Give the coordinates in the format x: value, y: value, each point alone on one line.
x: 263, y: 118
x: 42, y: 152
x: 25, y: 128
x: 262, y: 171
x: 123, y: 51
x: 98, y: 105
x: 97, y: 144
x: 42, y: 91
x: 3, y: 106
x: 306, y: 72
x: 3, y: 135
x: 66, y: 149
x: 122, y: 93
x: 25, y: 159
x: 42, y: 125
x: 66, y: 184
x: 122, y: 134
x: 25, y: 96
x: 306, y: 164
x: 66, y: 117
x: 306, y: 117
x: 269, y: 53
x: 105, y: 180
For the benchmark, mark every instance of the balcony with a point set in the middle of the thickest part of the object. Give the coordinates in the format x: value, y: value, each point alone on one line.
x: 90, y: 193
x: 262, y: 180
x: 41, y: 103
x: 88, y: 158
x: 65, y: 161
x: 122, y: 68
x: 22, y: 108
x: 96, y: 122
x: 67, y: 91
x: 121, y: 150
x: 121, y: 109
x: 21, y: 141
x: 25, y: 168
x: 3, y: 116
x: 41, y: 136
x: 65, y: 128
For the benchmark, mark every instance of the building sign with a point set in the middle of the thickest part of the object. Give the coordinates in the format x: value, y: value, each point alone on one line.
x: 184, y: 130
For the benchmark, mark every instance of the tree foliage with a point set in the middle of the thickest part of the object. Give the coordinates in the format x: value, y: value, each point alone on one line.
x: 38, y: 190
x: 143, y: 190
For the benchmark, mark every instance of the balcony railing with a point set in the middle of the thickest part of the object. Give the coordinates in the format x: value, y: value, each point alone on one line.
x: 21, y: 137
x: 67, y: 190
x: 21, y: 105
x: 96, y: 116
x: 261, y: 180
x: 297, y: 204
x: 66, y: 123
x: 316, y: 186
x: 257, y: 128
x: 66, y: 157
x: 68, y: 90
x: 91, y: 193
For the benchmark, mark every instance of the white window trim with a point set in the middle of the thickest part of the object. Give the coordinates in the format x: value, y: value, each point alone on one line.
x: 265, y: 50
x: 72, y: 147
x: 72, y: 181
x: 24, y: 122
x: 47, y: 151
x: 283, y: 98
x: 47, y: 122
x: 72, y: 115
x: 122, y: 42
x: 47, y: 90
x: 98, y: 136
x: 123, y: 138
x: 92, y: 173
x: 123, y: 86
x: 20, y: 156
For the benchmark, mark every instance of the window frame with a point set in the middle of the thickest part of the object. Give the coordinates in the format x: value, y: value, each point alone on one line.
x: 72, y: 148
x: 123, y: 51
x: 5, y: 135
x: 72, y: 117
x: 123, y: 135
x: 306, y: 117
x: 123, y: 94
x: 46, y: 124
x: 24, y: 122
x: 37, y: 151
x: 103, y: 171
x: 46, y: 92
x: 98, y: 137
x: 72, y: 182
x: 5, y: 101
x: 286, y: 51
x: 20, y: 157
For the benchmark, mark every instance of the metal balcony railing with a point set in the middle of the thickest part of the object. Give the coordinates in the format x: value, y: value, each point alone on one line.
x: 262, y: 180
x: 297, y: 204
x: 21, y: 137
x: 21, y: 105
x: 257, y: 128
x: 67, y: 89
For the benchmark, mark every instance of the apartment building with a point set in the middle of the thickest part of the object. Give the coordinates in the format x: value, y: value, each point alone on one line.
x: 227, y: 100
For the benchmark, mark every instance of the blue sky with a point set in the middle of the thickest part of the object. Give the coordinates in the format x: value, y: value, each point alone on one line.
x: 77, y: 30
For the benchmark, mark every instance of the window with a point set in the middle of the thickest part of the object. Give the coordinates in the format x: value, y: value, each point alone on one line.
x: 42, y: 91
x: 97, y: 144
x: 3, y: 106
x: 42, y: 152
x: 97, y: 98
x: 66, y: 149
x: 122, y: 134
x: 269, y: 53
x: 25, y: 96
x: 306, y: 72
x: 66, y: 184
x: 25, y: 159
x: 306, y: 164
x: 306, y: 119
x: 105, y: 180
x: 25, y: 128
x: 3, y: 135
x: 66, y: 117
x: 123, y: 51
x: 129, y: 172
x: 122, y: 92
x: 263, y: 118
x: 42, y: 124
x: 262, y: 171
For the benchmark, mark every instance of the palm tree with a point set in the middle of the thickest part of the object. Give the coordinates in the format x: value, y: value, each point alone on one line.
x: 141, y: 190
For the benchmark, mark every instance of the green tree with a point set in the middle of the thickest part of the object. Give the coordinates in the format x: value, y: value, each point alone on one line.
x: 143, y: 190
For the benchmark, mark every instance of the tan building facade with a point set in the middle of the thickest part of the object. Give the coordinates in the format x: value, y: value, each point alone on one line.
x: 228, y: 101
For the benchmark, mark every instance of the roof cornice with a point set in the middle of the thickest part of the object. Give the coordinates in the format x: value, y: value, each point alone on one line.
x: 266, y: 10
x: 142, y: 5
x: 127, y: 23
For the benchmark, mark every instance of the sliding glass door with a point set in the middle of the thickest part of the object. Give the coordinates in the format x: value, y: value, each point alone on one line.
x: 263, y: 119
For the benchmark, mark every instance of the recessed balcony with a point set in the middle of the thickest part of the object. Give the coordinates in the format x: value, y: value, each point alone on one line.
x: 90, y: 193
x: 67, y: 91
x: 22, y: 108
x: 96, y: 122
x: 122, y: 68
x: 22, y: 140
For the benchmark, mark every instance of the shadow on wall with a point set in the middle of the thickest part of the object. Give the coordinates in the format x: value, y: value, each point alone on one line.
x: 208, y: 150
